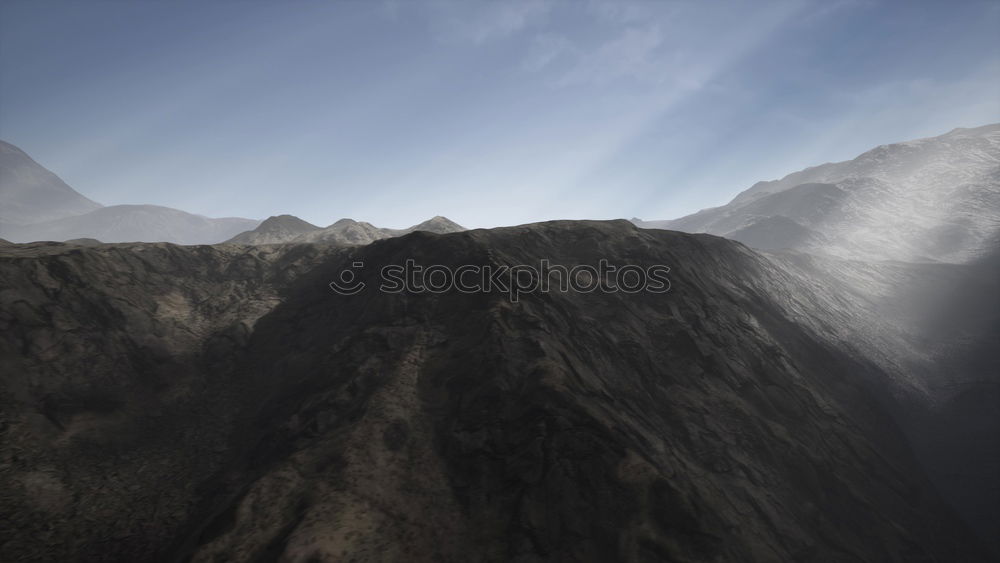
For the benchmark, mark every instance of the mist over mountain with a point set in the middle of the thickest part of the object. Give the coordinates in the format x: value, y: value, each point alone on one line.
x: 933, y: 199
x: 37, y: 206
x: 908, y: 235
x: 133, y: 223
x: 29, y: 193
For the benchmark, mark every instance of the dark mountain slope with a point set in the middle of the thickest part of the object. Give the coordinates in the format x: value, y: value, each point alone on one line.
x: 933, y: 330
x: 252, y: 414
x: 119, y: 392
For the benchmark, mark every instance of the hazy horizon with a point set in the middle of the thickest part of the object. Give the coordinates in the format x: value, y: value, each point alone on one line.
x: 490, y: 114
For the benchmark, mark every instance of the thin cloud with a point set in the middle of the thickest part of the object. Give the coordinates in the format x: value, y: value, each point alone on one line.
x: 480, y: 23
x: 633, y: 54
x: 546, y: 49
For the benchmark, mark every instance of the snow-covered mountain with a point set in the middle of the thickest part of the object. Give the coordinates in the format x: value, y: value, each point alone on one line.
x: 29, y: 193
x: 133, y: 223
x: 933, y: 199
x: 348, y: 232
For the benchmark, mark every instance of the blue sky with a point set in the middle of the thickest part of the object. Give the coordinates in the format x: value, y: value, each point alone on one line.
x: 489, y: 113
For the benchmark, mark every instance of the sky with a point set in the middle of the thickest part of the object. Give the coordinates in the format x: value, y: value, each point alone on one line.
x: 490, y: 113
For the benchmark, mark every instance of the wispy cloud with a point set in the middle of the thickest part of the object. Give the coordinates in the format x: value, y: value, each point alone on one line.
x: 908, y: 108
x: 652, y: 43
x: 493, y: 111
x: 666, y: 59
x: 633, y: 54
x: 629, y: 12
x: 547, y: 49
x: 481, y: 22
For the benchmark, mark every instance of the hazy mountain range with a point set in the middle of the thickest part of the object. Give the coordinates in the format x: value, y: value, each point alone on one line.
x: 834, y: 400
x: 935, y: 199
x: 30, y: 194
x: 36, y: 205
x: 131, y: 223
x: 288, y: 228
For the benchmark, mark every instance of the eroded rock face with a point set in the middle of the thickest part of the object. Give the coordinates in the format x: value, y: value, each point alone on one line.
x: 119, y: 387
x: 166, y: 403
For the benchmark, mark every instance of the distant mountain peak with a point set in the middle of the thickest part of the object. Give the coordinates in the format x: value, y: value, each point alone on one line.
x: 29, y: 193
x: 275, y: 229
x: 7, y: 148
x: 346, y: 231
x: 438, y: 224
x: 284, y: 221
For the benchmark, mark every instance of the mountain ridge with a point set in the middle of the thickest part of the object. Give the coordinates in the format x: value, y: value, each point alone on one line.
x: 132, y: 223
x: 445, y: 424
x: 31, y: 193
x: 343, y: 231
x: 36, y: 205
x: 930, y: 199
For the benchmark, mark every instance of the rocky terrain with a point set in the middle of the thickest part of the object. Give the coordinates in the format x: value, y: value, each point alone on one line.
x: 275, y: 230
x: 934, y: 199
x: 932, y: 328
x: 221, y: 403
x: 906, y: 238
x: 832, y: 397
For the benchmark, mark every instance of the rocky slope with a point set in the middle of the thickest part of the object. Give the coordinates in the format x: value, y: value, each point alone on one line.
x: 29, y: 193
x: 934, y: 199
x: 932, y: 328
x: 274, y: 230
x: 437, y: 224
x: 345, y: 232
x: 904, y: 247
x: 167, y: 403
